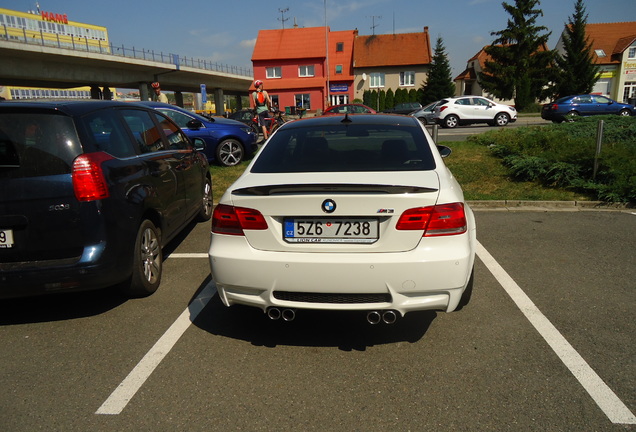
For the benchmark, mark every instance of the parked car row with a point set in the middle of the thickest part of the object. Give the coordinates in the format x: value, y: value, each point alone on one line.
x: 90, y: 193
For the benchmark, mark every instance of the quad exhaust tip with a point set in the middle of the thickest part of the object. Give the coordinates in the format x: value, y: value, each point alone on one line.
x: 286, y: 314
x: 387, y: 317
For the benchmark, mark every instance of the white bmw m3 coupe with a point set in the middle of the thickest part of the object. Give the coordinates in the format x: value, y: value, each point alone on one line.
x: 348, y: 213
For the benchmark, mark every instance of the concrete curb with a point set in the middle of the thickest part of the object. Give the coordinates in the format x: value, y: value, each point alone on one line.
x: 520, y: 205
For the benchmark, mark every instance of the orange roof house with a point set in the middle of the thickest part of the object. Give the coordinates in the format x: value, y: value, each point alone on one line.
x: 614, y: 51
x: 391, y: 61
x: 292, y: 63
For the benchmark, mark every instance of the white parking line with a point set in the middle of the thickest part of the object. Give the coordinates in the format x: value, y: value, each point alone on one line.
x: 604, y: 397
x: 119, y: 398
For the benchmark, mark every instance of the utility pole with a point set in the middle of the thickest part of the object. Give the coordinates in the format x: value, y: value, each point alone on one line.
x: 282, y: 16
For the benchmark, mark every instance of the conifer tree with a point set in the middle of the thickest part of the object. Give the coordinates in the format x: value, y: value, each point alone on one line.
x: 439, y: 84
x: 519, y: 57
x: 575, y: 69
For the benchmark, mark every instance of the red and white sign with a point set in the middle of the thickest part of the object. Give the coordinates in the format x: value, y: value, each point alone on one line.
x: 55, y: 17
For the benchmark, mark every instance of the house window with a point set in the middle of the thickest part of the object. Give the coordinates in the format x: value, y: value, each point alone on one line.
x: 338, y: 69
x: 273, y: 72
x: 632, y: 53
x: 340, y: 47
x: 407, y: 78
x: 376, y: 79
x: 274, y: 99
x: 302, y: 101
x: 306, y: 71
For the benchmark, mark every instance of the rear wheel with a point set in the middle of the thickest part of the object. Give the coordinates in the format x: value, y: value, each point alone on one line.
x: 501, y: 119
x: 229, y: 152
x: 624, y: 113
x: 571, y: 116
x: 147, y: 262
x: 423, y: 120
x: 468, y: 292
x: 450, y: 121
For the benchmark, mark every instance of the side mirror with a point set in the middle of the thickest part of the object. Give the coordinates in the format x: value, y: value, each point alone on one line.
x: 194, y: 124
x: 199, y: 144
x: 444, y: 151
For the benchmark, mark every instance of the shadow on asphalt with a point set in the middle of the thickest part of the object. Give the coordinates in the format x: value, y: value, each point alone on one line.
x: 348, y: 331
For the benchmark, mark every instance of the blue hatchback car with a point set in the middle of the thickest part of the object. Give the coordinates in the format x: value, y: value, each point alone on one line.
x: 227, y: 142
x: 565, y: 108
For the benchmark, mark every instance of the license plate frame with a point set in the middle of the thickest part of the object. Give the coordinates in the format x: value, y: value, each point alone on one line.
x: 6, y: 238
x: 343, y: 230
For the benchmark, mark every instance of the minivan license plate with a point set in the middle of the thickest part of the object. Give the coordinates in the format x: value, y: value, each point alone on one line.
x: 336, y: 230
x: 6, y: 238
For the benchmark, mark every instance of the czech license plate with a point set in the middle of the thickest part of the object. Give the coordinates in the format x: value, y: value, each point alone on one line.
x: 331, y: 230
x: 6, y: 238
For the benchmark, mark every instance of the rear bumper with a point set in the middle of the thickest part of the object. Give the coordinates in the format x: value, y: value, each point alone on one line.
x: 93, y: 270
x: 433, y: 276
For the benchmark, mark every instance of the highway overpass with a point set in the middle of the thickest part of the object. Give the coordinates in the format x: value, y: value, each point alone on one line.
x: 38, y: 65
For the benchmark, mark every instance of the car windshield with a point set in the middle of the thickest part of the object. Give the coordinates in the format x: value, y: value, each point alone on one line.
x: 345, y: 148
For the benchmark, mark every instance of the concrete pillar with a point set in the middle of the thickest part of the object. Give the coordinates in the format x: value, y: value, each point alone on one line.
x: 218, y: 101
x: 108, y: 95
x: 239, y: 102
x: 96, y: 92
x: 178, y: 97
x: 144, y: 93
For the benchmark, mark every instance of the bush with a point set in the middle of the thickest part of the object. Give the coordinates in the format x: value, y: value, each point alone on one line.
x: 563, y: 155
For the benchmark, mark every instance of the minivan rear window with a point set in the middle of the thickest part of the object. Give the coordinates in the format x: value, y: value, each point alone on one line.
x: 36, y: 144
x: 338, y: 148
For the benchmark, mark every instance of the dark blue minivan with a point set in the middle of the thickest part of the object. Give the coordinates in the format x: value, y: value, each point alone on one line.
x: 90, y: 192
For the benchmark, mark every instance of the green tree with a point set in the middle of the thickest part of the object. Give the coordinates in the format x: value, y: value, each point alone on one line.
x: 520, y: 60
x: 382, y: 100
x: 575, y: 69
x: 439, y: 84
x: 390, y: 99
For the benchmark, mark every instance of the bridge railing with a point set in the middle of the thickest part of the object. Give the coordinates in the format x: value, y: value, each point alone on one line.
x: 102, y: 47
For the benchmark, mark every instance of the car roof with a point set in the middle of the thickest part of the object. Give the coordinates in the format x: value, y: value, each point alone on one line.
x: 67, y: 107
x: 378, y: 119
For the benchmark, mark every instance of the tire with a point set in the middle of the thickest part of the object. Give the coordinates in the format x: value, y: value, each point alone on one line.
x: 571, y: 116
x: 147, y: 262
x: 450, y: 121
x: 501, y: 119
x: 229, y: 152
x: 423, y: 120
x: 624, y: 113
x: 206, y: 206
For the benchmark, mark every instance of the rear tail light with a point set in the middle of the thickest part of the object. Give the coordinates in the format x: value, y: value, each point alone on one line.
x: 442, y: 108
x: 89, y: 182
x: 233, y: 220
x: 439, y: 220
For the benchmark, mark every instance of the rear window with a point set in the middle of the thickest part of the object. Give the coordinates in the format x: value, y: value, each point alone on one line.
x: 345, y: 148
x: 36, y: 144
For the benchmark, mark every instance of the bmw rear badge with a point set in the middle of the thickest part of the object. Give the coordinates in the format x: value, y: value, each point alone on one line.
x: 328, y: 206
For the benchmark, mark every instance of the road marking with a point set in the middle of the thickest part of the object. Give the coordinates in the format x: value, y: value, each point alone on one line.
x: 120, y: 397
x: 188, y: 255
x: 604, y: 397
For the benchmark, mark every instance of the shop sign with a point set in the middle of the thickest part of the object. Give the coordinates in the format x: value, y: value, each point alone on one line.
x: 58, y: 18
x: 338, y: 88
x: 630, y: 74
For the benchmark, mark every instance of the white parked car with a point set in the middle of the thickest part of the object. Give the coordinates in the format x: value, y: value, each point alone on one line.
x: 452, y: 112
x: 353, y: 213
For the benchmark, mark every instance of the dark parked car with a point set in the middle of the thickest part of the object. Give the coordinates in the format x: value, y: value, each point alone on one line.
x: 90, y: 193
x: 227, y: 142
x: 349, y: 109
x: 426, y: 114
x: 567, y: 107
x: 404, y: 108
x: 246, y: 116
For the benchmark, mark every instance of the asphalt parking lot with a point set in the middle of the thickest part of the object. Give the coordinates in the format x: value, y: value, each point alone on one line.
x: 546, y: 344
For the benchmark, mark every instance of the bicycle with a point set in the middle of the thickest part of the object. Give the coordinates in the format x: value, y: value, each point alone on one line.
x: 274, y: 121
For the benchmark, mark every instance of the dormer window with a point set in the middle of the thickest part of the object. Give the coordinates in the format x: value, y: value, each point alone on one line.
x: 600, y: 53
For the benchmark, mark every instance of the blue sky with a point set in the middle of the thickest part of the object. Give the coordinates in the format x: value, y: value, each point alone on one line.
x: 225, y: 31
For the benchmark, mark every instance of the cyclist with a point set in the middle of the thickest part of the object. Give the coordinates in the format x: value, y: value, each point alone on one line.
x: 263, y: 104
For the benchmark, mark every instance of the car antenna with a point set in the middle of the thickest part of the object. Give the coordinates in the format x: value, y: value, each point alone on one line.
x: 346, y: 119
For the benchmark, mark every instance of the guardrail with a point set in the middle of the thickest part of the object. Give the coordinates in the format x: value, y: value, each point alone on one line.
x: 101, y: 47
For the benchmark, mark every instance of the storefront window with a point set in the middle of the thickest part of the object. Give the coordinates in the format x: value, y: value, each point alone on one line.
x: 302, y: 101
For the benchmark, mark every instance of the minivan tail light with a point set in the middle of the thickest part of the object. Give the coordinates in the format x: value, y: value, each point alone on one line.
x: 233, y: 220
x: 439, y: 220
x: 89, y: 182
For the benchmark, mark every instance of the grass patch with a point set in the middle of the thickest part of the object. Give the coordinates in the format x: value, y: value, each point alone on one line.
x: 483, y: 177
